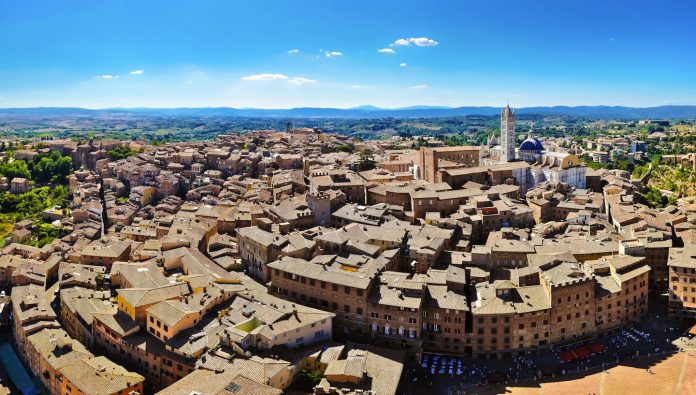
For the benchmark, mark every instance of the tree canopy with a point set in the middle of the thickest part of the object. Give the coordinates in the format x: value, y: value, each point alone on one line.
x: 367, y: 161
x: 17, y: 168
x: 52, y: 168
x: 120, y: 152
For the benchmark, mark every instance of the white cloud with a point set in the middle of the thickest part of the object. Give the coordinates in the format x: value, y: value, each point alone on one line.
x: 279, y: 77
x: 331, y: 54
x: 355, y: 86
x: 402, y: 42
x: 293, y: 51
x: 137, y: 72
x: 107, y: 76
x: 300, y: 81
x: 421, y: 86
x: 423, y: 42
x: 417, y: 41
x: 386, y: 50
x: 265, y: 77
x: 402, y: 65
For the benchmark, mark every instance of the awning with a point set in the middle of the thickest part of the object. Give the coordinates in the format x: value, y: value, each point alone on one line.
x: 692, y: 331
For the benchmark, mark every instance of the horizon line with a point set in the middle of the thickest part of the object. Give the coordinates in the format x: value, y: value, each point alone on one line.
x: 364, y: 107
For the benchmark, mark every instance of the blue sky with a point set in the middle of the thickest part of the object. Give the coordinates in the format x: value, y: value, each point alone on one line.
x: 324, y: 53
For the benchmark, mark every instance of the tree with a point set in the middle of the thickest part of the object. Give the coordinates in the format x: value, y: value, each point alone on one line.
x: 309, y: 378
x: 8, y: 202
x: 51, y: 168
x: 44, y: 233
x: 120, y: 152
x: 344, y: 148
x: 367, y: 161
x: 653, y: 198
x: 31, y: 204
x: 17, y: 168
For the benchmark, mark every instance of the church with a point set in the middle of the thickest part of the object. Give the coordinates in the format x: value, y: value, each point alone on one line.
x: 542, y: 165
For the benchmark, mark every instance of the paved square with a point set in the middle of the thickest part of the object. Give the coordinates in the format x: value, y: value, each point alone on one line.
x: 670, y: 375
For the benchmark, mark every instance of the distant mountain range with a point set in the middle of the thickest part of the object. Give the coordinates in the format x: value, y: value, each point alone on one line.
x: 603, y: 112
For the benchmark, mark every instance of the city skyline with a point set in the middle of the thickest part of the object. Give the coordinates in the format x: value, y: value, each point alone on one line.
x: 331, y: 54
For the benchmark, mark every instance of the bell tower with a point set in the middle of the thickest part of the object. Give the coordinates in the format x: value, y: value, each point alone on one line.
x: 507, y: 134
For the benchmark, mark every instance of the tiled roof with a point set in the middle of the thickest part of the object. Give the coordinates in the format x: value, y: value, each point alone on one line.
x: 99, y: 376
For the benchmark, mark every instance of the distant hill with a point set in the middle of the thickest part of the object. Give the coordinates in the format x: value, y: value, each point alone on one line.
x: 604, y: 112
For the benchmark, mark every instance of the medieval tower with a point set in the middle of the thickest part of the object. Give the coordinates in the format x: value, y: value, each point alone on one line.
x: 507, y: 134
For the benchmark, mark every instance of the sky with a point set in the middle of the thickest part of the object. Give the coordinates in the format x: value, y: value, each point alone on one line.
x: 330, y: 53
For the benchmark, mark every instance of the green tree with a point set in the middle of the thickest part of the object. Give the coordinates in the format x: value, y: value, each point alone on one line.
x: 30, y: 205
x: 17, y: 168
x: 653, y: 198
x: 120, y: 152
x: 367, y: 161
x: 44, y: 233
x: 51, y: 168
x: 309, y: 378
x: 344, y: 148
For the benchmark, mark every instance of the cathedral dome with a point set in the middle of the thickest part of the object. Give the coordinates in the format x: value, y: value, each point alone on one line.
x: 531, y: 144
